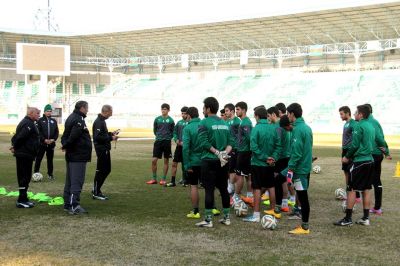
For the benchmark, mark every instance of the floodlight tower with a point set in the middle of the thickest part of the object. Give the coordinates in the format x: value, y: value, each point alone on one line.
x: 45, y: 16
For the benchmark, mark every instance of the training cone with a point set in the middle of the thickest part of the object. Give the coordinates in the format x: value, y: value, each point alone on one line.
x: 397, y: 172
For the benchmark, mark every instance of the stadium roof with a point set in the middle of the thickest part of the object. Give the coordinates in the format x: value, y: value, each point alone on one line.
x: 363, y: 23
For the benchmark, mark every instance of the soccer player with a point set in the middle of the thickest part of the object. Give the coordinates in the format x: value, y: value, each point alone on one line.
x: 48, y: 131
x: 233, y: 123
x: 163, y: 129
x: 24, y: 146
x: 177, y: 135
x: 281, y: 188
x: 266, y: 148
x: 77, y: 144
x: 282, y: 112
x: 361, y: 171
x: 102, y: 143
x: 300, y: 163
x: 345, y: 115
x: 222, y: 114
x: 192, y: 158
x: 380, y: 148
x: 216, y: 143
x: 243, y: 166
x: 281, y: 108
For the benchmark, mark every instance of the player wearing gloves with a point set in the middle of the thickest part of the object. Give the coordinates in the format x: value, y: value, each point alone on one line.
x: 300, y: 163
x: 216, y: 143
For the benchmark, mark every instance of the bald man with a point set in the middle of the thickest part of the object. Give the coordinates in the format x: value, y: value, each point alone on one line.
x: 102, y: 143
x: 25, y: 145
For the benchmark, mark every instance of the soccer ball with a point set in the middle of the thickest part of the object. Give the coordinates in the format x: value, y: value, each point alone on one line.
x: 344, y: 206
x: 241, y: 209
x: 316, y: 169
x: 37, y: 177
x: 340, y: 194
x: 269, y: 222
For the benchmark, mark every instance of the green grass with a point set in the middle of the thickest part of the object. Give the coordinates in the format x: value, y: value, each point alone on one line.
x: 146, y: 225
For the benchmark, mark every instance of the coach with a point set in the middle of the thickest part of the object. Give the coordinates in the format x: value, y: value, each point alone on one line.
x: 48, y: 132
x: 102, y: 144
x: 25, y: 145
x: 77, y: 145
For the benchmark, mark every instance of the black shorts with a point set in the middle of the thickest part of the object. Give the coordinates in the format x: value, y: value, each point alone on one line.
x: 162, y: 147
x: 243, y: 164
x: 262, y: 177
x: 232, y: 161
x: 178, y: 155
x: 281, y: 165
x: 361, y: 174
x: 193, y: 178
x: 213, y: 175
x: 346, y: 166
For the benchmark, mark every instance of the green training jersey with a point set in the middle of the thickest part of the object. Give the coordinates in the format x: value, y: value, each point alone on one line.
x: 178, y: 130
x: 244, y: 135
x: 379, y: 137
x: 234, y: 124
x: 361, y: 146
x: 264, y: 143
x: 213, y: 132
x: 348, y: 133
x: 284, y: 136
x: 192, y: 150
x: 163, y: 127
x: 300, y: 161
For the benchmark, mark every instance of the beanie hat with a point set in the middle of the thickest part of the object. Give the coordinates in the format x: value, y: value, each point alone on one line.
x: 48, y: 108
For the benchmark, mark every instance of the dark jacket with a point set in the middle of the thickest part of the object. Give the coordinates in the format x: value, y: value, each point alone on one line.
x: 26, y: 139
x: 48, y: 129
x: 76, y: 139
x: 101, y: 137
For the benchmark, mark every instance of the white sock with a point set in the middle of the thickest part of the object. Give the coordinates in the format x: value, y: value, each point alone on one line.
x: 231, y: 188
x: 256, y: 214
x: 284, y: 203
x: 249, y: 194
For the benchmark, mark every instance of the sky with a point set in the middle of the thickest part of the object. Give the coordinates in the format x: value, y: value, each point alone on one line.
x: 95, y: 16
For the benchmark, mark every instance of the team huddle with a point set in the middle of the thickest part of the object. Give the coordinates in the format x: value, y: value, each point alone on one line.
x: 273, y: 158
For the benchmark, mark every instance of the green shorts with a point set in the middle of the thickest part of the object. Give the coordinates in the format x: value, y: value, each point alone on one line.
x: 301, y: 182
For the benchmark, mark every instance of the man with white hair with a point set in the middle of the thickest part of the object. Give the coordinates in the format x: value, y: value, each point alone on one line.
x: 102, y: 144
x: 25, y: 144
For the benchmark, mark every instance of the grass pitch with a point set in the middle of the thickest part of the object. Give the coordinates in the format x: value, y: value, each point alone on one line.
x: 147, y: 225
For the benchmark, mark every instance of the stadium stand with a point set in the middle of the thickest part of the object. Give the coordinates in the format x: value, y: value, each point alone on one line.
x: 322, y: 59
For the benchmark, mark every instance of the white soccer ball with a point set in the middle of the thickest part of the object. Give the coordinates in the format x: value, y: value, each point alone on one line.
x: 340, y: 194
x: 269, y: 222
x: 316, y: 169
x: 344, y: 206
x: 37, y: 177
x: 241, y: 209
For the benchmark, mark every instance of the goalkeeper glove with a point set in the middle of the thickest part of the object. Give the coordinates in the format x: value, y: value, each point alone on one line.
x: 222, y: 156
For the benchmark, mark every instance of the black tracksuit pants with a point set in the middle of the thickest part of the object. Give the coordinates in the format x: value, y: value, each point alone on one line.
x: 103, y: 169
x: 49, y: 150
x: 24, y: 174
